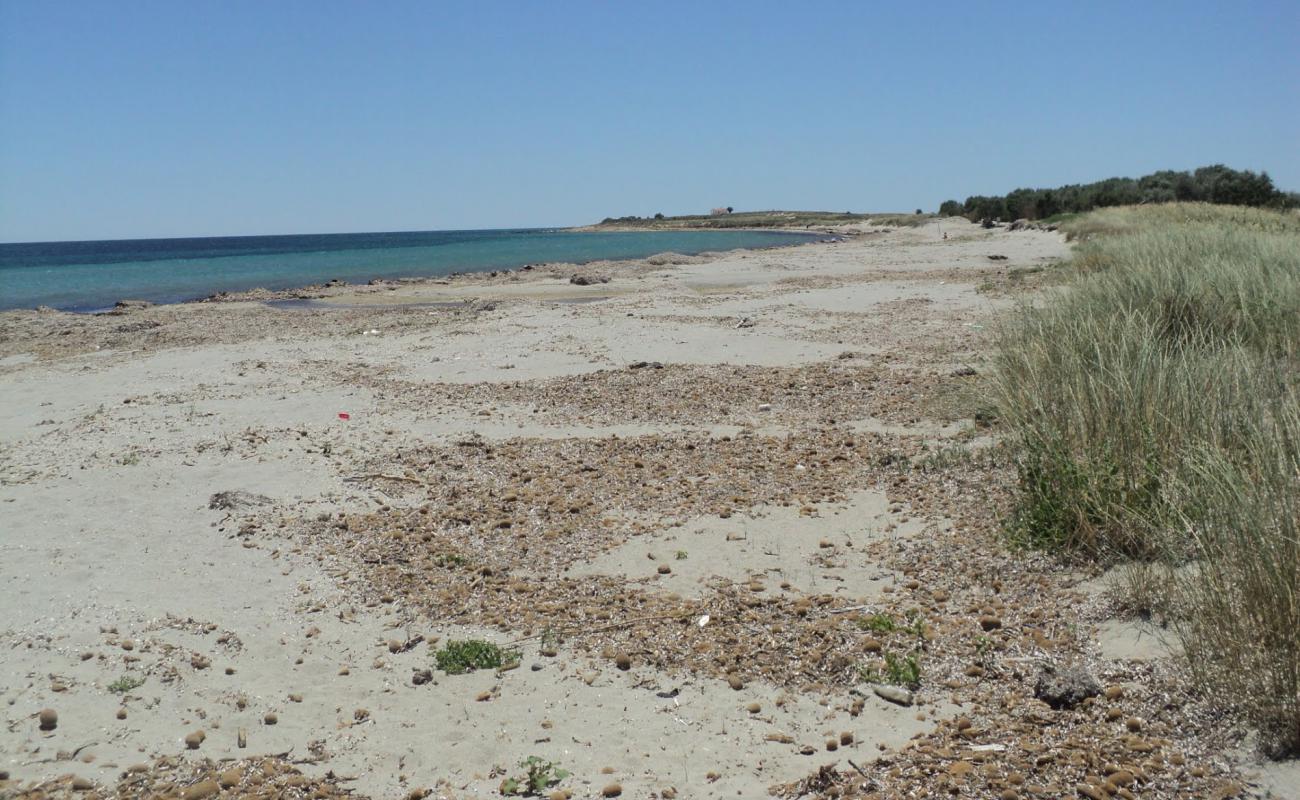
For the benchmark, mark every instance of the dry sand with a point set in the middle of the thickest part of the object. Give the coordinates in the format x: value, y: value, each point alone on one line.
x: 302, y: 599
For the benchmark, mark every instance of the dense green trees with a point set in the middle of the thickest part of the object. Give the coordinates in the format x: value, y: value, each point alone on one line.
x: 1212, y: 184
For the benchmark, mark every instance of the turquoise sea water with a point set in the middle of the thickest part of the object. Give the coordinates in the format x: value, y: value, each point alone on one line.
x: 85, y: 276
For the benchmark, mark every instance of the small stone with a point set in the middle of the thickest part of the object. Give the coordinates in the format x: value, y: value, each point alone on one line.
x: 832, y: 744
x: 422, y: 676
x: 989, y: 622
x: 127, y: 644
x: 623, y: 661
x: 483, y: 697
x: 664, y: 569
x: 1063, y: 688
x: 754, y: 708
x: 1090, y: 792
x: 1133, y: 724
x: 270, y: 718
x: 894, y: 694
x: 49, y: 719
x: 734, y: 681
x: 294, y: 697
x: 193, y: 740
x: 1114, y: 692
x: 82, y: 784
x: 121, y: 713
x: 846, y: 738
x: 343, y: 671
x: 394, y: 646
x: 612, y: 790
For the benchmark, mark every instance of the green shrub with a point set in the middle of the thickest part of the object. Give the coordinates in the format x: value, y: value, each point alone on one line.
x: 458, y: 657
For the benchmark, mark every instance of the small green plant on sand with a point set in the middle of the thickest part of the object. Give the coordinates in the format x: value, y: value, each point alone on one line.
x: 879, y: 623
x: 681, y: 555
x: 459, y: 657
x: 125, y: 684
x: 898, y: 671
x: 540, y: 776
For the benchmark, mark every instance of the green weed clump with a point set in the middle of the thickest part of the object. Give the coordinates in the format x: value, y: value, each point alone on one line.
x: 1153, y: 404
x: 539, y: 775
x: 125, y: 684
x: 459, y: 657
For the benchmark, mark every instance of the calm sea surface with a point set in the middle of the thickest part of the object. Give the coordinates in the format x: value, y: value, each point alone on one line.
x: 85, y: 276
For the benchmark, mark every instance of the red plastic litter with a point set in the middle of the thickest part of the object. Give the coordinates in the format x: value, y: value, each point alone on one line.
x: 344, y: 415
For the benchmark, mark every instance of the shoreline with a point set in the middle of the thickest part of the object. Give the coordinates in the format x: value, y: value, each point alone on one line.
x: 297, y: 291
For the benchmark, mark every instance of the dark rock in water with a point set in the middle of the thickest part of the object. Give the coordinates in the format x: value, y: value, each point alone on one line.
x: 645, y: 365
x: 336, y: 282
x: 588, y: 280
x: 127, y: 306
x: 997, y: 258
x: 231, y: 500
x: 1065, y: 687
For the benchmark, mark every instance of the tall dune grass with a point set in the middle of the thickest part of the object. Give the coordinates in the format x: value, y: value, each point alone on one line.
x: 1154, y: 402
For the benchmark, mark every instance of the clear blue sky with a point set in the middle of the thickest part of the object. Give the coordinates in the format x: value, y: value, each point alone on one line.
x: 136, y: 119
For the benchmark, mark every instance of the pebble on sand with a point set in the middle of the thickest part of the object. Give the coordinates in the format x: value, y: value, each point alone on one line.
x: 49, y: 719
x: 270, y: 718
x: 193, y: 740
x: 612, y: 790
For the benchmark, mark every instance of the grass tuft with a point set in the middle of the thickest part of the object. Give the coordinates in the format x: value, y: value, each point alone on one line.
x: 1153, y: 402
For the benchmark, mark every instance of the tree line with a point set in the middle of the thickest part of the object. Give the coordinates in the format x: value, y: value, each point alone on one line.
x: 1213, y: 184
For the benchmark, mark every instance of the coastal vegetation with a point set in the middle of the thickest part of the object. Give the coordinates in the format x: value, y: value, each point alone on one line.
x: 1155, y: 405
x: 1212, y: 184
x: 766, y: 219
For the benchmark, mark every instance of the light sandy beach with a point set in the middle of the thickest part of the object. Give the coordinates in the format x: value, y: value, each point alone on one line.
x: 703, y: 500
